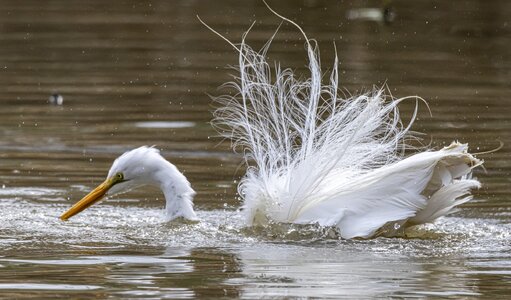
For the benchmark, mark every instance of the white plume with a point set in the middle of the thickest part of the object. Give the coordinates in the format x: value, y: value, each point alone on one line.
x: 315, y: 157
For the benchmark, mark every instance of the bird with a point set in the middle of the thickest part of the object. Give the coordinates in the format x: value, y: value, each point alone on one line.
x: 315, y: 157
x: 56, y: 99
x: 383, y: 15
x: 138, y: 167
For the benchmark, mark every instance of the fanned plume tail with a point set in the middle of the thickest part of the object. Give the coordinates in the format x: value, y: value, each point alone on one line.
x: 315, y: 157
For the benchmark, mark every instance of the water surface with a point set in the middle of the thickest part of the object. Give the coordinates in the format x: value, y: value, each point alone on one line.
x: 139, y: 73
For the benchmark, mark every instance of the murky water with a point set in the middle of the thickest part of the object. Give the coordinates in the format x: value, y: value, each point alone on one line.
x: 137, y: 73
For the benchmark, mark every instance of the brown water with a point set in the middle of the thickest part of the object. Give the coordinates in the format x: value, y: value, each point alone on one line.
x: 137, y: 73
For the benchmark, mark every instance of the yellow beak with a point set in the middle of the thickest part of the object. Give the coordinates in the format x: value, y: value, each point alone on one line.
x: 91, y: 198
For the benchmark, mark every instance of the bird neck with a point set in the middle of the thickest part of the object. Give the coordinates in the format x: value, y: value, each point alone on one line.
x: 178, y: 194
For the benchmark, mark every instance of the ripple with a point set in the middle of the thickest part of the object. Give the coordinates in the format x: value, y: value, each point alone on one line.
x: 42, y: 286
x: 165, y: 124
x: 107, y: 226
x: 135, y: 246
x: 28, y: 191
x: 93, y: 260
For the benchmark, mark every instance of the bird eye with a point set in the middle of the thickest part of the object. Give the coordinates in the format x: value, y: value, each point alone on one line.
x: 119, y: 176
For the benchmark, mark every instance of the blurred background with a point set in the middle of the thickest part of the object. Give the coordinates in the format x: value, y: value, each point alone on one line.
x: 122, y: 68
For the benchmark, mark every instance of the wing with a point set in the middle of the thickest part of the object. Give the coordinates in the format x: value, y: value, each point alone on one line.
x: 419, y: 189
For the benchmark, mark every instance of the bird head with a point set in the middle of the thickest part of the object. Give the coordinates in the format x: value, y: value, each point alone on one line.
x: 133, y: 168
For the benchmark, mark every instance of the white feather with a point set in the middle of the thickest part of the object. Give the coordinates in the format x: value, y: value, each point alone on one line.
x: 146, y: 166
x: 315, y: 157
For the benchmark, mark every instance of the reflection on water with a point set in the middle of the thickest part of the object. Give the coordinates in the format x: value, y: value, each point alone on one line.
x: 139, y: 74
x: 130, y: 251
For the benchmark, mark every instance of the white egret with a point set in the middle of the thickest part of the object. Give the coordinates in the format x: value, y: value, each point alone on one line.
x: 314, y: 157
x: 143, y: 166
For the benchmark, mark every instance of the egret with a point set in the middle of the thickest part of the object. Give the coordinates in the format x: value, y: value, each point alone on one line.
x: 143, y: 166
x: 314, y: 157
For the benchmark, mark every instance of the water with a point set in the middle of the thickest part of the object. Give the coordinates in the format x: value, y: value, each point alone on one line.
x: 138, y: 73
